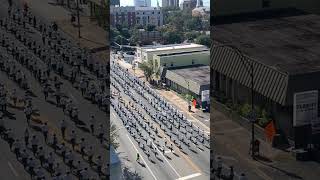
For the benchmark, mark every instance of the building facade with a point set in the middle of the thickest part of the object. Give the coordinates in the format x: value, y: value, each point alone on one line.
x: 170, y: 3
x: 148, y: 37
x: 146, y: 53
x: 286, y: 63
x: 122, y: 15
x: 142, y: 3
x: 148, y: 16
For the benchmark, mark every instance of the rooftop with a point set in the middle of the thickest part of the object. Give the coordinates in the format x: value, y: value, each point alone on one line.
x: 185, y: 52
x: 172, y: 46
x: 289, y: 44
x: 199, y: 74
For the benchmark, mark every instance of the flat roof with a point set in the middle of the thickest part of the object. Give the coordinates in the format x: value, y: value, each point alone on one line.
x: 199, y: 74
x: 172, y: 47
x: 289, y: 44
x: 179, y: 53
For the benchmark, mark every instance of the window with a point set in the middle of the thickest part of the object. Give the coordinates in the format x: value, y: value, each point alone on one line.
x: 164, y: 64
x: 171, y: 64
x: 265, y: 3
x: 192, y: 61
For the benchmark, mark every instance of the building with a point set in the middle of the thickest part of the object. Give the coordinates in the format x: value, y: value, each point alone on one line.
x: 122, y: 15
x: 283, y: 48
x: 142, y: 3
x: 149, y: 16
x: 190, y: 4
x: 200, y: 10
x: 228, y: 7
x: 193, y: 80
x: 180, y: 59
x: 146, y: 53
x: 170, y: 3
x: 114, y: 2
x: 148, y: 37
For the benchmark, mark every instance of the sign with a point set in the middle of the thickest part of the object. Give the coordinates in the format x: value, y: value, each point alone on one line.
x: 205, y: 95
x: 305, y: 110
x: 270, y: 131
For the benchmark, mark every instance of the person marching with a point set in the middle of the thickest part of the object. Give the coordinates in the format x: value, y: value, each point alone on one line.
x: 63, y: 128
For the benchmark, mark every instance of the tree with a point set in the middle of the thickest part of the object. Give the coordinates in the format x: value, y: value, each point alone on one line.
x: 147, y: 68
x: 171, y: 37
x: 150, y: 27
x: 204, y: 40
x: 191, y: 35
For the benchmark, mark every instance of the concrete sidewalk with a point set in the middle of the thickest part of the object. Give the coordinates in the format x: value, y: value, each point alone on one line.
x: 231, y: 141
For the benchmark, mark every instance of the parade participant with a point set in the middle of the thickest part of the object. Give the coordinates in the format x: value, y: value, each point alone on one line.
x: 92, y: 122
x: 26, y: 137
x: 45, y: 131
x: 73, y: 138
x: 63, y: 127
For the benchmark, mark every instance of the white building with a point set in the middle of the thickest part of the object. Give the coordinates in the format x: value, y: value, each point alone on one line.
x: 149, y: 15
x: 142, y: 3
x: 146, y: 53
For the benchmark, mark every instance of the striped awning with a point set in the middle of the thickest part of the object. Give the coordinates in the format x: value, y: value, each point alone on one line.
x: 268, y: 81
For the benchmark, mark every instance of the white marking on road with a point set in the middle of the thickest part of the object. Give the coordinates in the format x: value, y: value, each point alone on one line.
x: 168, y: 151
x: 142, y: 158
x: 189, y: 176
x: 207, y: 120
x: 13, y: 170
x: 166, y: 159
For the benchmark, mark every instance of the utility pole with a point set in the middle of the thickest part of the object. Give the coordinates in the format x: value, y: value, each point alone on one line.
x: 78, y: 17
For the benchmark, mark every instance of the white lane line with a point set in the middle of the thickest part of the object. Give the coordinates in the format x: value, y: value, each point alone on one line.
x: 166, y: 160
x: 13, y: 170
x: 142, y: 158
x: 189, y: 176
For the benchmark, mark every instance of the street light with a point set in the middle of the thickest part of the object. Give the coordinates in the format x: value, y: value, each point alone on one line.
x: 78, y: 17
x: 250, y: 70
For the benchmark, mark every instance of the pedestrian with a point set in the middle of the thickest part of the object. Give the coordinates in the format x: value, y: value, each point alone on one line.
x: 219, y: 166
x: 242, y: 177
x: 92, y: 123
x: 63, y: 128
x: 73, y: 139
x: 138, y: 157
x: 26, y: 137
x: 34, y: 144
x: 82, y: 147
x: 55, y: 142
x: 45, y: 131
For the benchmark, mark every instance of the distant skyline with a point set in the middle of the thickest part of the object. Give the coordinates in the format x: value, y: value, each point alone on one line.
x: 154, y: 2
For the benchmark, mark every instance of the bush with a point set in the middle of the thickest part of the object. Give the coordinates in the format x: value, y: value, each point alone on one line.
x: 244, y: 110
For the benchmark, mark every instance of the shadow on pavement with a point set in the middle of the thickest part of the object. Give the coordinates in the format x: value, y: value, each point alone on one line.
x: 290, y: 174
x: 129, y: 175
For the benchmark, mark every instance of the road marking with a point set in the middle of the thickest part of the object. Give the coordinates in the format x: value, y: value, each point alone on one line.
x: 189, y: 176
x: 166, y: 159
x: 207, y: 120
x: 142, y: 158
x: 168, y: 151
x: 13, y: 170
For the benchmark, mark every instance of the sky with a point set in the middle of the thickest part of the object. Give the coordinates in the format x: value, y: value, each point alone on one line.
x: 154, y: 2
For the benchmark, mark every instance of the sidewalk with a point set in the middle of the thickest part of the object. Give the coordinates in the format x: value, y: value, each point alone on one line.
x: 231, y: 141
x: 92, y: 36
x: 198, y: 117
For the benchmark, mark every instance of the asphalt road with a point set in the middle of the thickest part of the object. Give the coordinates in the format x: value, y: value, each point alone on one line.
x: 184, y: 163
x: 47, y: 111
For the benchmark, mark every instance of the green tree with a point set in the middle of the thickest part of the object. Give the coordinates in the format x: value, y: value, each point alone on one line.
x: 204, y: 40
x: 147, y: 68
x: 171, y: 37
x: 150, y: 27
x: 191, y: 35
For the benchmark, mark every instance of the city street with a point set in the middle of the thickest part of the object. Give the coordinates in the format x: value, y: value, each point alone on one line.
x: 157, y: 158
x: 39, y: 79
